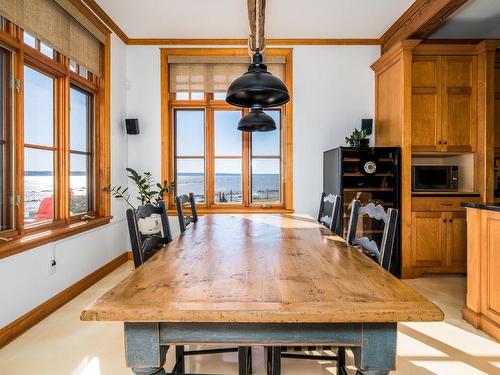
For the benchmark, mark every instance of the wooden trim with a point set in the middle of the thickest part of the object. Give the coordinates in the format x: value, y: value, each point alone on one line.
x: 107, y: 20
x: 130, y: 255
x: 244, y: 42
x: 85, y: 11
x: 43, y: 236
x: 33, y: 317
x: 419, y: 20
x: 167, y: 141
x: 102, y: 134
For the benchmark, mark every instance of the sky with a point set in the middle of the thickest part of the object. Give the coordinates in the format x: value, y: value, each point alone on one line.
x: 39, y: 122
x: 228, y: 142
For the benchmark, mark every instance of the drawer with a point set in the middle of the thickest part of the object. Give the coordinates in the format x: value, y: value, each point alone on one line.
x: 440, y: 203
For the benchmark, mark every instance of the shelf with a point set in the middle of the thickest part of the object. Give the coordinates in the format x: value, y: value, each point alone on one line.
x: 368, y: 189
x: 359, y: 174
x: 353, y: 160
x: 444, y: 194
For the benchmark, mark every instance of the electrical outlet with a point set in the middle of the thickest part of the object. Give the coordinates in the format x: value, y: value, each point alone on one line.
x: 52, y: 266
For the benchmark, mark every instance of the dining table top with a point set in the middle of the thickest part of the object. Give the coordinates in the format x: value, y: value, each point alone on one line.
x: 266, y: 268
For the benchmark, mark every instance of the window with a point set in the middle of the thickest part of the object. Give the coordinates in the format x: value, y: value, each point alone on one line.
x: 227, y: 170
x: 7, y: 214
x: 52, y: 173
x: 38, y: 45
x: 80, y: 150
x: 222, y: 166
x: 266, y: 164
x: 39, y: 147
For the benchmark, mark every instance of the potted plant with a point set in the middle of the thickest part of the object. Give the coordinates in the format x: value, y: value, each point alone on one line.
x: 358, y: 139
x: 148, y: 193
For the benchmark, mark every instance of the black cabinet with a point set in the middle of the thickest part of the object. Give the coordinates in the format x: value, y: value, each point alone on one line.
x: 371, y: 175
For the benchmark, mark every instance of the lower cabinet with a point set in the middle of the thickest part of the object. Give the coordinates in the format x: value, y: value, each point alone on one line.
x: 439, y: 242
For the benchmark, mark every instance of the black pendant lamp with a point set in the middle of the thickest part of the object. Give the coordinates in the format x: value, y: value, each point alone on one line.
x: 256, y: 121
x: 257, y: 88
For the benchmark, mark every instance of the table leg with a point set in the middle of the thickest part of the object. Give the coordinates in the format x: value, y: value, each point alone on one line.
x: 244, y: 360
x: 377, y: 353
x: 143, y: 351
x: 273, y: 360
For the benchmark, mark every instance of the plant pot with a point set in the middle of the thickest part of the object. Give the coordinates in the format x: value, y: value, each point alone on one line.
x: 363, y: 143
x: 150, y: 225
x: 360, y: 143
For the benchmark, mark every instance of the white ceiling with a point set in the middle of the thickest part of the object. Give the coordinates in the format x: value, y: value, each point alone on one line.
x: 477, y: 19
x: 228, y: 18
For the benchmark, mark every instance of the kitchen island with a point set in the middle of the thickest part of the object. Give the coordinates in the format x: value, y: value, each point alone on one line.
x: 483, y: 262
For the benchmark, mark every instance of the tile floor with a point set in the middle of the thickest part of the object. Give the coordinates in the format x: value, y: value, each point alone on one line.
x: 62, y: 344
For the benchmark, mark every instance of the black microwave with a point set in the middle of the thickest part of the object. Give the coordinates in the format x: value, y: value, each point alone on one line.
x: 434, y: 178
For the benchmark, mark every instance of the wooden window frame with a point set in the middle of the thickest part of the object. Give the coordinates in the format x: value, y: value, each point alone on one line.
x: 64, y: 225
x: 168, y: 160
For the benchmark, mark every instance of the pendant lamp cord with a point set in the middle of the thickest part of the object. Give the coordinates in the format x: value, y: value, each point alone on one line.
x: 256, y: 18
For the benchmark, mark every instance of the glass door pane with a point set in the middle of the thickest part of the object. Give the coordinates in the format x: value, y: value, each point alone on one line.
x: 228, y: 146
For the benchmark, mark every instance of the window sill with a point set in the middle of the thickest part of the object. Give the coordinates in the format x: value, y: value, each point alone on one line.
x: 233, y: 210
x: 34, y: 239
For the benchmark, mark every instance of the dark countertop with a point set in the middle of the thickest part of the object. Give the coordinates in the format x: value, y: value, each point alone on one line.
x: 482, y: 206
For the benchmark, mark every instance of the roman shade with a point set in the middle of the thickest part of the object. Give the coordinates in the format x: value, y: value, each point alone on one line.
x: 211, y: 74
x: 61, y: 26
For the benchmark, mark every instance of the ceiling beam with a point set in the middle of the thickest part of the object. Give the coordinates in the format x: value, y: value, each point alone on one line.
x: 419, y: 20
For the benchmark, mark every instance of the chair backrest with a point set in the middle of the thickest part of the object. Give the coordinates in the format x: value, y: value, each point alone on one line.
x: 376, y: 212
x: 184, y: 221
x: 145, y: 246
x: 329, y: 218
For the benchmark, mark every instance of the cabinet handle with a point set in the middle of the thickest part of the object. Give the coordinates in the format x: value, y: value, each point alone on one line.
x: 444, y: 220
x: 445, y: 143
x: 451, y: 220
x: 446, y: 204
x: 439, y: 142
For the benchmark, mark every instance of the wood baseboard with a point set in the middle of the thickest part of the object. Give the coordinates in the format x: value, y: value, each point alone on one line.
x: 130, y: 256
x: 31, y: 318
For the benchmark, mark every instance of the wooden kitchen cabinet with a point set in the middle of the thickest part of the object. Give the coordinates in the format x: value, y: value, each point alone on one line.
x: 439, y: 242
x: 426, y: 103
x: 456, y: 233
x: 428, y: 239
x: 444, y: 103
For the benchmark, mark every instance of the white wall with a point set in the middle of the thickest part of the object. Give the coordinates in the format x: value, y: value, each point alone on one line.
x: 333, y: 89
x: 24, y: 279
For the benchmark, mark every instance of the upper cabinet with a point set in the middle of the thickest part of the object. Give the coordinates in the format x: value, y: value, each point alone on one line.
x: 444, y: 103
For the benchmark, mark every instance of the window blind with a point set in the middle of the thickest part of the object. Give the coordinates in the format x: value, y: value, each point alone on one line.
x: 213, y: 74
x: 52, y: 22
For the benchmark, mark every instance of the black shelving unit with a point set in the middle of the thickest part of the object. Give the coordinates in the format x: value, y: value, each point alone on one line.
x: 369, y: 175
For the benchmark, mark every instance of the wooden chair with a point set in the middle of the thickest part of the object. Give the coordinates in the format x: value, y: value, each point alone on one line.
x: 184, y: 221
x: 145, y: 246
x: 323, y: 217
x: 383, y: 254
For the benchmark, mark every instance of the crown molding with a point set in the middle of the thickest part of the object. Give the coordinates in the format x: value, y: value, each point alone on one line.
x: 419, y: 20
x: 244, y: 42
x: 99, y: 12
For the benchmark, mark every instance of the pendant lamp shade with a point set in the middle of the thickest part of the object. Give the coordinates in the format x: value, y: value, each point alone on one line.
x: 257, y: 121
x: 257, y: 88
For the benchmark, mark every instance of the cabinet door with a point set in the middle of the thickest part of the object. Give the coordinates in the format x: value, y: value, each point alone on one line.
x: 459, y: 103
x: 428, y: 239
x: 426, y: 104
x: 456, y: 233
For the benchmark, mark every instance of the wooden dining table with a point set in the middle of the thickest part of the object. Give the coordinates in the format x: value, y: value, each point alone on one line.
x: 261, y: 279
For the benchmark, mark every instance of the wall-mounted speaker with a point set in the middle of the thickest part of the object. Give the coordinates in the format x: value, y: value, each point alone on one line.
x: 132, y: 125
x: 367, y: 125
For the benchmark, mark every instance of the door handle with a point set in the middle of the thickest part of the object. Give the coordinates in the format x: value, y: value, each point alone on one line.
x: 446, y: 204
